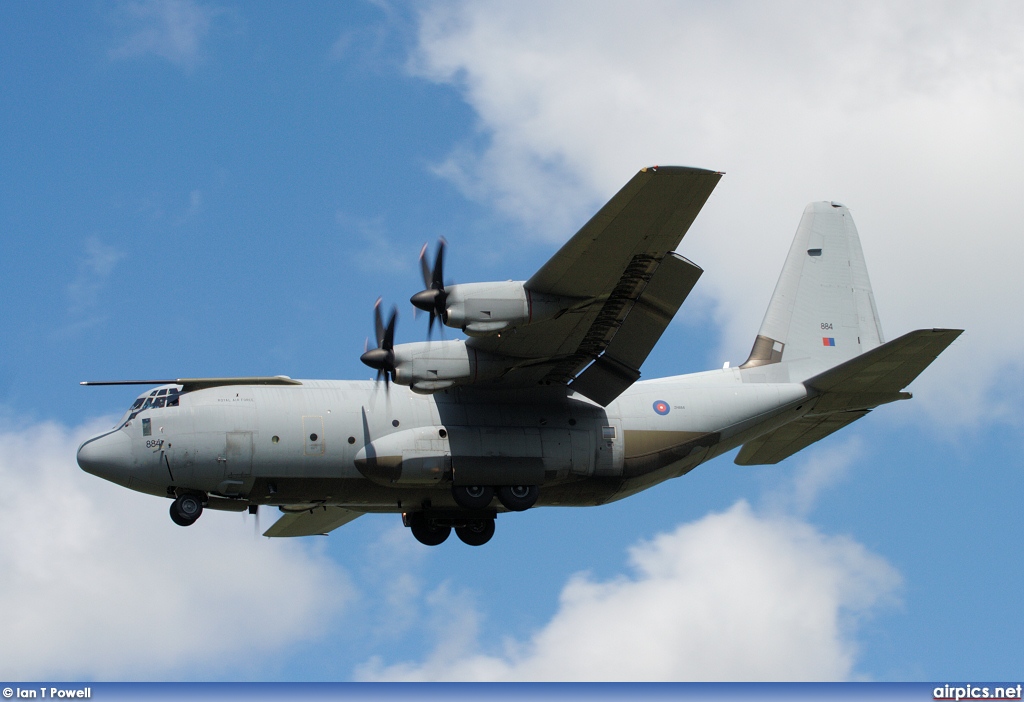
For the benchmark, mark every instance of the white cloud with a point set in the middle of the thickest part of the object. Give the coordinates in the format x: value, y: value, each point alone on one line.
x: 732, y: 596
x: 93, y: 271
x: 98, y: 583
x: 83, y: 291
x: 376, y: 252
x: 822, y: 467
x: 907, y: 113
x: 171, y: 29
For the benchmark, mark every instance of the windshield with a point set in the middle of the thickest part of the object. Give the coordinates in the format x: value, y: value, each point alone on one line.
x: 155, y: 399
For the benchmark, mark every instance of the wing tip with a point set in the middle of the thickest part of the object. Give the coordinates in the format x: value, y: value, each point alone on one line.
x: 680, y: 170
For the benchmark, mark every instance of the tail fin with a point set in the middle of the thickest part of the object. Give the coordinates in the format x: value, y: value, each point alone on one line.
x: 823, y: 311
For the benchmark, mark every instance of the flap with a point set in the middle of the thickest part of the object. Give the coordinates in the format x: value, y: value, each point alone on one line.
x: 629, y: 342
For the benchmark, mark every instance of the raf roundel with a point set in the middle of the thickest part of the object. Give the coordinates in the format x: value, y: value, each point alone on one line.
x: 661, y: 407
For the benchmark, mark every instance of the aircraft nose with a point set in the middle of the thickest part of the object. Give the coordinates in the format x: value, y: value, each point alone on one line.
x: 108, y: 456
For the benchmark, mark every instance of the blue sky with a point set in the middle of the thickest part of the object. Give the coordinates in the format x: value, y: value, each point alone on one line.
x: 202, y: 189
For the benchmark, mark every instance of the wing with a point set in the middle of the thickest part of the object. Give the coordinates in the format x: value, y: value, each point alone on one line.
x: 850, y: 390
x: 190, y: 384
x: 624, y: 284
x: 312, y: 522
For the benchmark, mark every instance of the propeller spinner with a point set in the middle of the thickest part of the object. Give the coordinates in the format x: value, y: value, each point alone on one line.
x: 434, y: 299
x: 382, y: 358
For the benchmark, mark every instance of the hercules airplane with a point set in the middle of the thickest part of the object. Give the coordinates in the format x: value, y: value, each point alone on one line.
x: 541, y: 404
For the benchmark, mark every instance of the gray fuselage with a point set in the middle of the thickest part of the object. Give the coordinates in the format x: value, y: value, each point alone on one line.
x: 351, y: 444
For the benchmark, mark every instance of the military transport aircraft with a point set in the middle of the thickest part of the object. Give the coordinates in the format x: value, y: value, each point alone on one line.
x: 541, y: 404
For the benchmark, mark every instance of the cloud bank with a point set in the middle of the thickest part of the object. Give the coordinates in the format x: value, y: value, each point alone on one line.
x: 732, y: 596
x: 99, y: 584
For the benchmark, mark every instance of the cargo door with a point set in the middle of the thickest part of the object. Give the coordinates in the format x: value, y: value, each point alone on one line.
x: 582, y: 452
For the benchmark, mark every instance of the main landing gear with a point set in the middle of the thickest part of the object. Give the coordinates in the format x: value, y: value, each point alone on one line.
x: 434, y: 530
x: 186, y: 509
x: 475, y: 525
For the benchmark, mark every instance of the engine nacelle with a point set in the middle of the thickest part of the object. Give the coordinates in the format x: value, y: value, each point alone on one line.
x: 482, y: 309
x: 429, y: 366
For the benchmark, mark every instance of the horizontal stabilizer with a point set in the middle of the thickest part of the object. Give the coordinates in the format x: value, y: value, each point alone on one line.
x: 849, y: 391
x: 787, y: 440
x: 312, y: 522
x: 879, y: 375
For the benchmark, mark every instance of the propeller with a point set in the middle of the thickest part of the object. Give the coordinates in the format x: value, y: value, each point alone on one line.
x: 434, y: 299
x: 382, y: 358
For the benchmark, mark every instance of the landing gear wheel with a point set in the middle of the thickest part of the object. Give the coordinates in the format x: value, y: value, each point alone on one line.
x: 477, y: 532
x: 176, y: 518
x: 473, y: 496
x: 186, y: 509
x: 428, y: 532
x: 518, y: 497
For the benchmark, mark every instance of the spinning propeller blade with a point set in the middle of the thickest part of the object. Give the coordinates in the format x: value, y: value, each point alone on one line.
x: 434, y: 298
x: 382, y: 358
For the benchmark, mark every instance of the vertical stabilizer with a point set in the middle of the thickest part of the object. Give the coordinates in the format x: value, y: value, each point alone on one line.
x: 823, y: 311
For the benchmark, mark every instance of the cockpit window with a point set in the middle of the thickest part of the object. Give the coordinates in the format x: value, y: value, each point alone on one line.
x: 156, y: 399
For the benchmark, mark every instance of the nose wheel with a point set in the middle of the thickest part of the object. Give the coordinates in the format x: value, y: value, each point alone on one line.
x: 186, y: 509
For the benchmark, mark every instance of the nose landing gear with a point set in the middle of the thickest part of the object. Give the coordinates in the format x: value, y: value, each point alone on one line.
x: 186, y: 509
